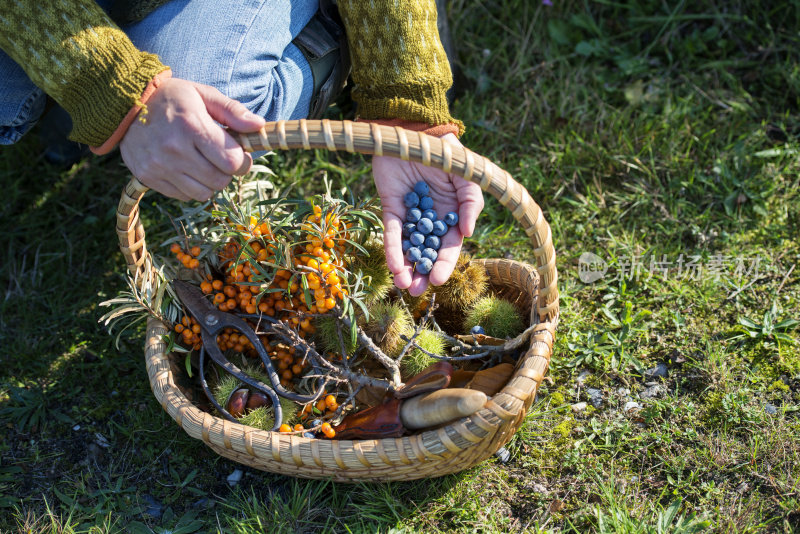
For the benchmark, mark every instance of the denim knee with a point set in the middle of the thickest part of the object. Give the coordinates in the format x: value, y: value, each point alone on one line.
x: 21, y: 102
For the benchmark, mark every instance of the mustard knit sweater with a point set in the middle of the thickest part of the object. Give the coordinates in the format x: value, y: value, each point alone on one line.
x: 74, y: 52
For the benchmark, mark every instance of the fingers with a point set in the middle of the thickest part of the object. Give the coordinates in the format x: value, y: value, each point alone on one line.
x: 418, y: 285
x: 448, y: 256
x: 221, y: 150
x: 227, y: 111
x: 392, y: 242
x: 470, y: 205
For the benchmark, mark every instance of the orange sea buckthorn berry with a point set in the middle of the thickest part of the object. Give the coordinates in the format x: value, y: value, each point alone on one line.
x: 299, y: 428
x: 284, y: 429
x: 179, y: 328
x: 313, y: 282
x: 195, y: 251
x: 217, y: 284
x: 321, y: 406
x: 328, y: 430
x: 193, y: 263
x: 174, y: 248
x: 330, y: 402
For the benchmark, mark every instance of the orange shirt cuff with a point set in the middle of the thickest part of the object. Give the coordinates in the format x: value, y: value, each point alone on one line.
x: 436, y: 131
x: 119, y: 133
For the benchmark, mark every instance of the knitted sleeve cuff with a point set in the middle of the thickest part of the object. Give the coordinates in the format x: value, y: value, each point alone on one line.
x: 99, y: 99
x: 425, y: 104
x: 122, y: 129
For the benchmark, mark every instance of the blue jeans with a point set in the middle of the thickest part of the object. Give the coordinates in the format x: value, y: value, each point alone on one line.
x: 243, y: 48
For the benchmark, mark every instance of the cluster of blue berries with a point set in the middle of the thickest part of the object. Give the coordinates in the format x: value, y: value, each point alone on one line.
x: 423, y: 230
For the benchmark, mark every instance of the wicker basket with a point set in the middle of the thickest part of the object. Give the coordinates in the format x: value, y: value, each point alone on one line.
x: 431, y: 453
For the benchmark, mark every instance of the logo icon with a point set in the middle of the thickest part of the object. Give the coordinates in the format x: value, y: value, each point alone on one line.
x: 591, y: 268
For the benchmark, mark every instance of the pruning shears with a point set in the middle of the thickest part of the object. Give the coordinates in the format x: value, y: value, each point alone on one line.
x: 212, y: 322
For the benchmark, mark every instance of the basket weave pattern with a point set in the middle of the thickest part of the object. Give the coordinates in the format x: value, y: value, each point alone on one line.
x: 431, y: 453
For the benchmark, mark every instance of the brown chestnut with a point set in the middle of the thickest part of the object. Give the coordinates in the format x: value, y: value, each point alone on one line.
x: 257, y: 400
x: 237, y: 402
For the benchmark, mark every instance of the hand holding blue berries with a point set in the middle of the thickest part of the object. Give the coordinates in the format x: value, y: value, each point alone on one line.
x: 394, y: 179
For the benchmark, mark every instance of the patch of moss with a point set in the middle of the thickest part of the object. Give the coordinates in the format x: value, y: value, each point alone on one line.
x: 564, y: 428
x: 779, y: 385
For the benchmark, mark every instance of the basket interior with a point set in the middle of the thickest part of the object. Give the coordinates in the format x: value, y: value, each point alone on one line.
x: 512, y: 289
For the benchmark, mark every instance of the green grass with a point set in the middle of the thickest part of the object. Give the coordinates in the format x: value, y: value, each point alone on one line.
x: 644, y: 129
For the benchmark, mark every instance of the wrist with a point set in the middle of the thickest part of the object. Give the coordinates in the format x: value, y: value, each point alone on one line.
x: 133, y: 113
x: 436, y: 130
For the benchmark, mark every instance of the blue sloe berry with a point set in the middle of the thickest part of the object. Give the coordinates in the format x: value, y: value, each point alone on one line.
x: 430, y: 253
x: 424, y: 226
x: 411, y: 200
x: 413, y: 215
x: 424, y: 266
x: 406, y: 244
x: 430, y: 214
x: 478, y: 329
x: 417, y: 239
x: 309, y: 435
x: 425, y: 203
x: 408, y: 229
x: 439, y: 228
x: 421, y: 188
x: 433, y: 242
x: 451, y: 219
x: 413, y: 255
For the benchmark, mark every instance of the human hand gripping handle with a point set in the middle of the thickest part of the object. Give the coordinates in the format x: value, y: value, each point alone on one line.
x: 393, y: 179
x: 180, y: 149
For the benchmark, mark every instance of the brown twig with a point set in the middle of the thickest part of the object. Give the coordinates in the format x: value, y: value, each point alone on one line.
x: 410, y: 341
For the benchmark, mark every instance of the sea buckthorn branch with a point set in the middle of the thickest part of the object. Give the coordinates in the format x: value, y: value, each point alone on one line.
x: 334, y: 371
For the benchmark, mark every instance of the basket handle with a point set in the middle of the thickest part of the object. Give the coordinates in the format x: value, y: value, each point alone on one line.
x: 378, y: 140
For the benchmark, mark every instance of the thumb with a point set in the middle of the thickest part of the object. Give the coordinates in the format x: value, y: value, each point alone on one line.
x: 228, y: 111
